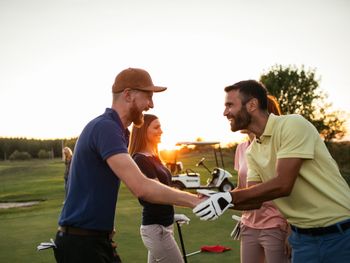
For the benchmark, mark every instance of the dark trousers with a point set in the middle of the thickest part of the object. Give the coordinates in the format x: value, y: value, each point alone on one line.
x: 75, y: 249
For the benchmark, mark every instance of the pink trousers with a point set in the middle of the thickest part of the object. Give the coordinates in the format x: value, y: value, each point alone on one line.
x: 263, y: 245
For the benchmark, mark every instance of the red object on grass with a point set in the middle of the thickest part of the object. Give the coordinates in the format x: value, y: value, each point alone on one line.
x: 216, y: 249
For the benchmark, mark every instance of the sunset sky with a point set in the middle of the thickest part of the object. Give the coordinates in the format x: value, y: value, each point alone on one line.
x: 59, y: 58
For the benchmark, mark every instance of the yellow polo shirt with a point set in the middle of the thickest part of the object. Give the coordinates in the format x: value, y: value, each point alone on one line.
x: 320, y: 196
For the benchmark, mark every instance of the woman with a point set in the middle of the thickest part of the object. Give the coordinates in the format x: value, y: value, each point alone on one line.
x: 264, y: 231
x: 157, y: 220
x: 67, y: 154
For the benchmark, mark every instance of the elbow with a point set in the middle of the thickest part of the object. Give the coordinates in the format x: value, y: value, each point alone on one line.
x: 142, y: 195
x: 143, y: 190
x: 285, y: 191
x: 139, y: 193
x: 147, y: 190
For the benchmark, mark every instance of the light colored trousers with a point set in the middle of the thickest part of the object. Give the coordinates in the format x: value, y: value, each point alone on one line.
x: 263, y: 245
x: 161, y: 244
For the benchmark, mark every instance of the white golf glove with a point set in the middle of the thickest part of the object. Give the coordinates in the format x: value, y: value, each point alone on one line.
x: 46, y: 245
x: 181, y: 219
x: 214, y: 206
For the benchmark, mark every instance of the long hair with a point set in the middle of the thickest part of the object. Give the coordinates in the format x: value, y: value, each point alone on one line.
x: 138, y: 140
x: 67, y: 153
x: 273, y: 106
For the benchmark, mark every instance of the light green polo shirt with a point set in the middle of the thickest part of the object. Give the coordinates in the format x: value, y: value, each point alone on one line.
x: 320, y: 196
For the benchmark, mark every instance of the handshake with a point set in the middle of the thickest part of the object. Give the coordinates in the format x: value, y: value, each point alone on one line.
x: 213, y: 207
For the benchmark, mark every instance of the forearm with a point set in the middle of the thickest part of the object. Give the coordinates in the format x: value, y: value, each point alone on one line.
x: 253, y: 196
x: 287, y: 171
x: 246, y: 206
x: 155, y: 192
x: 150, y: 190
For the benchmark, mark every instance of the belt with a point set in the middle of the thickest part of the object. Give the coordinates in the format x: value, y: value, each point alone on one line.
x: 69, y: 230
x: 319, y: 231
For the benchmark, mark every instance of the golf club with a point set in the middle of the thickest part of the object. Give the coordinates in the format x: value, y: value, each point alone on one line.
x: 181, y: 241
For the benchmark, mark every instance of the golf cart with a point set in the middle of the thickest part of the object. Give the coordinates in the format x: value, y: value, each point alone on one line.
x: 189, y: 179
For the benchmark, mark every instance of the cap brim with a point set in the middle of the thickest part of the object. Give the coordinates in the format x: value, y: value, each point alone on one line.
x: 154, y: 88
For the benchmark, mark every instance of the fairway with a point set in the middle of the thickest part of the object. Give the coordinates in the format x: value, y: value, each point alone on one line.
x: 22, y: 229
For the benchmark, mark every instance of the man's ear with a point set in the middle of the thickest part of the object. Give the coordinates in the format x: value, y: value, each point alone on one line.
x: 128, y: 95
x: 252, y: 105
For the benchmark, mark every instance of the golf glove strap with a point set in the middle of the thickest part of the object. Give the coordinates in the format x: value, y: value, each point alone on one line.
x: 214, y: 206
x: 206, y: 192
x: 181, y: 219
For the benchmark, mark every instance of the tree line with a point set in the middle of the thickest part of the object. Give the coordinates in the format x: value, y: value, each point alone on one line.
x: 35, y: 148
x: 25, y: 148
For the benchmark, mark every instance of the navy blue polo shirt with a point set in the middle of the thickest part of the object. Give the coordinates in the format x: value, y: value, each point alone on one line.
x: 92, y: 185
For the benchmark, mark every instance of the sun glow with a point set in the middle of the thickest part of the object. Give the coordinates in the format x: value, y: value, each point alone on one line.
x: 167, y: 146
x: 193, y: 105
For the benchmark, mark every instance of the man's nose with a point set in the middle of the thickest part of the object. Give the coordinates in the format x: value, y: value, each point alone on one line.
x: 150, y: 104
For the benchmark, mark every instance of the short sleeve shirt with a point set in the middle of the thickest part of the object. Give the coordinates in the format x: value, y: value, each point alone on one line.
x: 92, y: 185
x: 152, y: 213
x: 320, y: 196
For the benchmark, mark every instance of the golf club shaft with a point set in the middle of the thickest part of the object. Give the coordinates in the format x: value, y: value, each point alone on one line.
x: 182, y: 242
x: 193, y: 253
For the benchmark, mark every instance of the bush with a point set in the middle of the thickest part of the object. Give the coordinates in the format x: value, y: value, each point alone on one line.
x: 42, y: 154
x: 17, y: 155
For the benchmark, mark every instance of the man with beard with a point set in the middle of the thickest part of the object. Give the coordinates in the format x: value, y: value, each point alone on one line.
x: 100, y: 162
x: 296, y: 171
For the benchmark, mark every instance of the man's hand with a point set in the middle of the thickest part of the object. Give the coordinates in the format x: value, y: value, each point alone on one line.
x: 181, y: 219
x: 214, y: 206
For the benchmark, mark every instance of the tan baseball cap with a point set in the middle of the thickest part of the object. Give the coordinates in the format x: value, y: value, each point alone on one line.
x: 136, y: 79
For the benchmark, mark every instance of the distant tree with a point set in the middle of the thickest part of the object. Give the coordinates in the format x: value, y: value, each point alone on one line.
x: 17, y: 155
x: 297, y: 91
x: 43, y: 154
x: 33, y: 146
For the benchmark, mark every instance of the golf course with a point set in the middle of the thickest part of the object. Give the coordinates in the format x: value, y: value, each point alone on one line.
x: 23, y: 228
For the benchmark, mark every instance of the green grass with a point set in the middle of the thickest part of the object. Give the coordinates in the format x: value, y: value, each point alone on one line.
x: 22, y: 229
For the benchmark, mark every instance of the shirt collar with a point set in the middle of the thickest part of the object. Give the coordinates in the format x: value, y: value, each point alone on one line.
x: 115, y: 116
x: 268, y: 128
